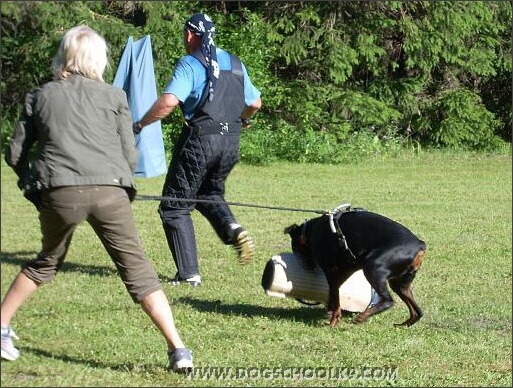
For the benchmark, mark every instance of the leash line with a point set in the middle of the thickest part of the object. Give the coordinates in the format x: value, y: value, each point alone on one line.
x: 164, y: 198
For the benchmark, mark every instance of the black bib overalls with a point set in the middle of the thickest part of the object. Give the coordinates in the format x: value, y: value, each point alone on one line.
x: 203, y: 157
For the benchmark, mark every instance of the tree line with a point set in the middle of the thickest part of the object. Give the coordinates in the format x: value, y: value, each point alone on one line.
x: 336, y: 76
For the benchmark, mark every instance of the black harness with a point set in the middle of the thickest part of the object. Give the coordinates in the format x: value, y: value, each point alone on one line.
x: 334, y: 217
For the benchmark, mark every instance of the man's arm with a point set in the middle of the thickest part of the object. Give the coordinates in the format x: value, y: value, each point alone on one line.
x: 160, y: 109
x: 249, y: 111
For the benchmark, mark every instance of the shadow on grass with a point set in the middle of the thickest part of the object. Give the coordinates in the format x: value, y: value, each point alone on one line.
x: 308, y: 315
x: 124, y: 367
x: 19, y: 258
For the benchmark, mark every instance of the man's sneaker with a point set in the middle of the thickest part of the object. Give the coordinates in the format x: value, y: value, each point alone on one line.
x: 9, y: 352
x: 180, y: 360
x: 194, y: 281
x: 244, y: 245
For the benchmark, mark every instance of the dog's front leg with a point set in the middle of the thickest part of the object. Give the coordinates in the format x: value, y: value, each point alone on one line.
x: 334, y: 304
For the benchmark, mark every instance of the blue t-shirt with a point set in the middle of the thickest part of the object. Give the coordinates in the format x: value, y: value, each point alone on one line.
x: 189, y: 80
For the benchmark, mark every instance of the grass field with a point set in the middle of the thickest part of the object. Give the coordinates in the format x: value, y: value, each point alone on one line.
x: 83, y: 330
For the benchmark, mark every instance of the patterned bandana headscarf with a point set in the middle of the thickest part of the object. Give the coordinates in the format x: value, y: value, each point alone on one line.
x: 201, y: 25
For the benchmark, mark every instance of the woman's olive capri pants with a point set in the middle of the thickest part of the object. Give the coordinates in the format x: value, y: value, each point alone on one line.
x: 109, y: 212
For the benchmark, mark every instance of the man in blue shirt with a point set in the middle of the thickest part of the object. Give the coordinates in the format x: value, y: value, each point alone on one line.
x: 217, y: 98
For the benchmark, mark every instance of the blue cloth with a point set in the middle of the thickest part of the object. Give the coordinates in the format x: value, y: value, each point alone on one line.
x: 136, y: 76
x: 189, y: 80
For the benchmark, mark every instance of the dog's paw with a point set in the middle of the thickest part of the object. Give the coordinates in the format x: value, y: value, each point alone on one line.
x: 360, y: 318
x: 335, y: 317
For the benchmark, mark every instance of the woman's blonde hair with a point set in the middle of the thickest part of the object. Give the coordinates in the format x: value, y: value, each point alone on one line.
x: 81, y: 51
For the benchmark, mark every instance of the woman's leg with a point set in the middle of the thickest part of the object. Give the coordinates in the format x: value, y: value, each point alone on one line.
x: 113, y: 222
x: 19, y: 291
x: 156, y: 305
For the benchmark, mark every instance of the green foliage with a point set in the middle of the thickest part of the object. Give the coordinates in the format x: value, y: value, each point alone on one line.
x: 262, y: 145
x: 461, y: 121
x: 258, y: 145
x: 171, y: 129
x: 304, y: 146
x: 460, y: 34
x: 328, y: 71
x: 393, y: 58
x: 366, y: 112
x: 31, y: 32
x: 251, y: 42
x: 495, y: 95
x: 164, y: 23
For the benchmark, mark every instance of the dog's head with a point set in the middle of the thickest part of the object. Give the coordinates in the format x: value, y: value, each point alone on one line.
x: 298, y: 240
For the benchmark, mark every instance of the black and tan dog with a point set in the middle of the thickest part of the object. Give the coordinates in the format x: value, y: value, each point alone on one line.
x: 349, y: 239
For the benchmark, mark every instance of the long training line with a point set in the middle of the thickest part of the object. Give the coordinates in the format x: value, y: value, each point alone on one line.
x: 166, y: 198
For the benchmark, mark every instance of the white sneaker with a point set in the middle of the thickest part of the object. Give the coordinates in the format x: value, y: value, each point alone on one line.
x: 9, y: 352
x: 181, y: 360
x: 194, y: 281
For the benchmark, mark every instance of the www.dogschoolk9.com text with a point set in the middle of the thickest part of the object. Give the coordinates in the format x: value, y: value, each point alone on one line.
x: 294, y: 373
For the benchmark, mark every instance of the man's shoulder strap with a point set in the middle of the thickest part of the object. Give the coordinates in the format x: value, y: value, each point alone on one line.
x: 236, y: 65
x: 235, y: 62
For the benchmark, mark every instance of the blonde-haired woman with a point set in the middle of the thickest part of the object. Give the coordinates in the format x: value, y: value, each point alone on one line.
x: 83, y: 171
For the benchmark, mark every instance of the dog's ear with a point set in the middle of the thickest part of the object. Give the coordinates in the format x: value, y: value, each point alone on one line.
x: 290, y: 228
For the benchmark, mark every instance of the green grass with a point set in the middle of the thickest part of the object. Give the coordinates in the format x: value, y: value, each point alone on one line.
x: 83, y: 330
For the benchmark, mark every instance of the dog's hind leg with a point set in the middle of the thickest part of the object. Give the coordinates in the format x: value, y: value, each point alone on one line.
x: 377, y: 280
x: 402, y: 286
